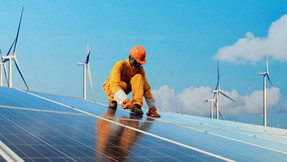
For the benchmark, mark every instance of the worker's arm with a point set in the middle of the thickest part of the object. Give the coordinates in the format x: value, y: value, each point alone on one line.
x: 147, y: 92
x: 115, y: 79
x: 150, y: 100
x: 115, y: 82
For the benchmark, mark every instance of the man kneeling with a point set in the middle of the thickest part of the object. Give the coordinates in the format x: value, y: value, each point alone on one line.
x: 129, y: 76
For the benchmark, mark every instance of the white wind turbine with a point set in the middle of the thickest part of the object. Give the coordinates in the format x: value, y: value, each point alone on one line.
x: 264, y: 90
x: 86, y: 66
x: 216, y: 93
x: 211, y: 106
x: 13, y: 57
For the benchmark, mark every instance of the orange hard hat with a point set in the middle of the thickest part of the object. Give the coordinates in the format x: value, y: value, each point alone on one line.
x: 138, y: 53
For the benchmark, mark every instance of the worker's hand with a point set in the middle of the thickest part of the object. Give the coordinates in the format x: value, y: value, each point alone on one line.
x: 127, y: 104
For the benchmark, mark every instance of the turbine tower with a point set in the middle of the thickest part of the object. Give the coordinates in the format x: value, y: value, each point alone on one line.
x: 13, y: 57
x: 218, y: 91
x: 264, y: 91
x: 2, y: 64
x: 86, y: 67
x: 211, y: 106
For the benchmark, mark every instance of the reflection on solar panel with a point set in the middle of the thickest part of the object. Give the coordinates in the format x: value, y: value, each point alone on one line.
x: 43, y: 127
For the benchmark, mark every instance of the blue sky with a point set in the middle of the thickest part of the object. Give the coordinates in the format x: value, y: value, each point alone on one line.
x: 183, y: 40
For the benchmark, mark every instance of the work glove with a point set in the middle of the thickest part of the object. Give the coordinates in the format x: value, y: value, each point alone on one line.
x: 127, y: 104
x: 152, y: 112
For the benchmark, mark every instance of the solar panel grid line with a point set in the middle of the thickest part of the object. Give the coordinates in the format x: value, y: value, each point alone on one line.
x: 112, y: 146
x: 44, y: 98
x: 204, y: 128
x: 157, y: 153
x: 81, y: 114
x: 66, y: 136
x: 156, y: 136
x: 8, y: 154
x: 233, y: 139
x: 41, y: 110
x: 12, y: 146
x: 35, y: 136
x: 250, y: 133
x: 129, y: 134
x: 268, y: 135
x: 32, y: 147
x: 238, y: 125
x: 159, y: 137
x: 265, y: 147
x: 237, y: 130
x: 219, y: 122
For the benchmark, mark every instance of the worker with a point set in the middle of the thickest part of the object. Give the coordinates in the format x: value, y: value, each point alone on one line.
x: 129, y: 76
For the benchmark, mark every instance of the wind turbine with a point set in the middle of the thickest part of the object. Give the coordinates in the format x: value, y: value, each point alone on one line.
x: 218, y: 91
x: 13, y: 57
x: 211, y: 106
x: 86, y: 66
x: 264, y: 90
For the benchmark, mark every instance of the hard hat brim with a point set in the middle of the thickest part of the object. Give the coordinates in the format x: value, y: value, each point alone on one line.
x: 141, y: 62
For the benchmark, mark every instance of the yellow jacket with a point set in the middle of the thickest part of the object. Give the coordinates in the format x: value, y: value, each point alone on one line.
x: 123, y: 72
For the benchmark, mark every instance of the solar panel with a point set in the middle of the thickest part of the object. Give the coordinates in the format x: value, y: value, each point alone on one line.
x: 45, y: 127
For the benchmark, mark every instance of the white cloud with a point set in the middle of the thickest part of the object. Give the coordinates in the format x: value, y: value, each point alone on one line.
x: 284, y: 108
x: 165, y: 98
x: 251, y: 49
x: 191, y: 101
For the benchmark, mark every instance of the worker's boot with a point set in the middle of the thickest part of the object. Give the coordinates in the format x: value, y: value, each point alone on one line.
x: 152, y: 112
x: 137, y: 110
x: 113, y: 104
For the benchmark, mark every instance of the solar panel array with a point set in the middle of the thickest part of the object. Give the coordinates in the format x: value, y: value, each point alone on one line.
x: 44, y: 127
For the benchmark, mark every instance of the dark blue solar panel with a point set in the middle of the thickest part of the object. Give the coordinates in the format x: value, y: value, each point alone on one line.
x: 52, y: 136
x: 67, y: 134
x: 13, y: 97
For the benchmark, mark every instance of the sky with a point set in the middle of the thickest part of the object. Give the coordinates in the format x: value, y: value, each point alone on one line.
x: 183, y: 39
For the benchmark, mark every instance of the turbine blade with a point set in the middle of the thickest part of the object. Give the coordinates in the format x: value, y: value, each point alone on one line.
x: 88, y: 57
x: 267, y: 70
x: 10, y: 49
x: 217, y: 84
x: 90, y: 79
x: 15, y: 45
x: 6, y: 75
x: 215, y: 106
x: 88, y: 49
x: 20, y: 72
x: 217, y: 70
x: 226, y: 96
x: 269, y: 80
x: 88, y: 53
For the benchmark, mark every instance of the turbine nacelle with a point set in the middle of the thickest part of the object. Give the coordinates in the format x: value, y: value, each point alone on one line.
x: 210, y: 100
x: 82, y: 63
x: 8, y: 57
x: 263, y: 73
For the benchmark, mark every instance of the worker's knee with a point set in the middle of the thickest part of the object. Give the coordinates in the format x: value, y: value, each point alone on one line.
x: 137, y: 77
